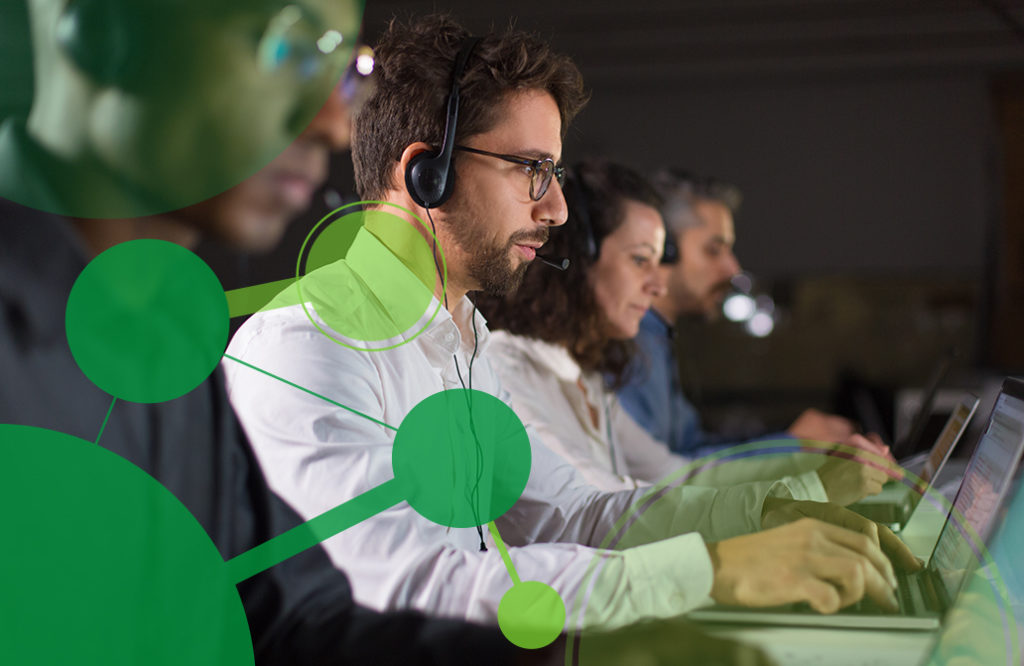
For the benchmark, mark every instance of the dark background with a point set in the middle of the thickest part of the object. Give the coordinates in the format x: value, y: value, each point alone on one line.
x: 880, y: 148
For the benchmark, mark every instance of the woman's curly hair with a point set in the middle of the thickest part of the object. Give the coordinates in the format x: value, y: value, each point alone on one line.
x: 560, y: 308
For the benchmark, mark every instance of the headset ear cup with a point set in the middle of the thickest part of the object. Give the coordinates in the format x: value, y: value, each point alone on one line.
x: 420, y: 180
x: 449, y: 183
x: 429, y: 179
x: 671, y: 253
x: 591, y: 244
x: 430, y: 176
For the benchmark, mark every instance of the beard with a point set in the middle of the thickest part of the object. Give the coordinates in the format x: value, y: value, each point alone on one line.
x: 713, y: 306
x: 489, y: 259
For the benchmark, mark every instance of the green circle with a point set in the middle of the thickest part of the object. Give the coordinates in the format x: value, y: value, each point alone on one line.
x: 531, y: 614
x: 380, y: 294
x: 199, y: 97
x: 102, y: 565
x: 462, y: 457
x: 147, y: 321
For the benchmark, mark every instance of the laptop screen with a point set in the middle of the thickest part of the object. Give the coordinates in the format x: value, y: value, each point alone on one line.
x: 987, y: 624
x: 1007, y: 545
x: 985, y: 483
x: 949, y: 436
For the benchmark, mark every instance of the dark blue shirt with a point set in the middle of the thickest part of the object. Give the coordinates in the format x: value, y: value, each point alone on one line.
x: 654, y: 397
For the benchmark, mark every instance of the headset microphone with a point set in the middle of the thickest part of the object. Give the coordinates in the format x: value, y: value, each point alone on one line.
x: 559, y: 263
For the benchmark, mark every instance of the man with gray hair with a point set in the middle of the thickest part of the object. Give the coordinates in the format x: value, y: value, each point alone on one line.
x: 698, y: 268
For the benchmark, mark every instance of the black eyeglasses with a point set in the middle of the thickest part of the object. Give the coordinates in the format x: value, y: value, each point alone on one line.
x: 541, y: 171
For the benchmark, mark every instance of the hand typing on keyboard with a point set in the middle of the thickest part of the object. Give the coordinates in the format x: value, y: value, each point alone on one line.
x: 814, y: 552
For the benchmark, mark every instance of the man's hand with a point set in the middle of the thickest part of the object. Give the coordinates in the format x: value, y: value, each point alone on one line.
x: 816, y: 552
x: 778, y: 511
x: 827, y: 566
x: 821, y: 427
x: 850, y: 475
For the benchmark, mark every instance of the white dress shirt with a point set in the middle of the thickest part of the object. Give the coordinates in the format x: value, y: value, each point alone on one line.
x: 550, y: 391
x: 317, y: 453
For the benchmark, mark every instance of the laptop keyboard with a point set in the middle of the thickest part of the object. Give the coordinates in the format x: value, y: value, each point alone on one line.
x: 907, y: 594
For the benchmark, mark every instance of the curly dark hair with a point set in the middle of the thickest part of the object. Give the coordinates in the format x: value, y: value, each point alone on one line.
x: 561, y: 308
x: 413, y: 67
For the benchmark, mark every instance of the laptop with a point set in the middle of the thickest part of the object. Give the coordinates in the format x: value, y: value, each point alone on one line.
x: 910, y: 444
x: 896, y: 503
x: 925, y: 595
x: 987, y: 623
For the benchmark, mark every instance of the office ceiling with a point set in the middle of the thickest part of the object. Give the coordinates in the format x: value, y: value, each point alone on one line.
x: 647, y: 42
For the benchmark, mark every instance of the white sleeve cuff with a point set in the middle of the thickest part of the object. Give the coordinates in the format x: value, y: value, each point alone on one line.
x: 672, y: 576
x: 806, y: 486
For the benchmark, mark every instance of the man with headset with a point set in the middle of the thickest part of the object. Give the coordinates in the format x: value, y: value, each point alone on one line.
x: 300, y: 611
x: 465, y: 134
x: 698, y: 214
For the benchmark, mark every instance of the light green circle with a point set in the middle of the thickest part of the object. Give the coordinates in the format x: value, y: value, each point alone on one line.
x: 147, y: 321
x: 375, y: 296
x: 462, y: 457
x: 531, y: 614
x: 193, y: 105
x: 618, y: 537
x: 102, y: 565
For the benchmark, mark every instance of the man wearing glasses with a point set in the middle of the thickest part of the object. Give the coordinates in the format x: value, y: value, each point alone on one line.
x: 302, y: 610
x: 323, y: 387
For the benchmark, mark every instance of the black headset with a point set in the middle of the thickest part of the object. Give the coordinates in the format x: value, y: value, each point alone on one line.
x: 670, y: 255
x: 102, y: 38
x: 579, y: 207
x: 430, y: 176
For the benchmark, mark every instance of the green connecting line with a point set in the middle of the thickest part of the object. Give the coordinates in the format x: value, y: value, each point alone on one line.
x: 312, y: 393
x: 504, y: 552
x: 248, y: 300
x: 105, y: 419
x: 316, y: 530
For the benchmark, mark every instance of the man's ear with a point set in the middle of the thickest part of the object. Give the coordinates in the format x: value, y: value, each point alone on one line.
x: 411, y: 151
x: 423, y: 175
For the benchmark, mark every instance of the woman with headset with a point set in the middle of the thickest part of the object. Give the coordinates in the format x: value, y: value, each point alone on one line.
x: 562, y: 343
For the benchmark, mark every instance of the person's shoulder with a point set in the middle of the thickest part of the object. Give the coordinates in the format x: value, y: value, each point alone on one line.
x: 533, y: 361
x: 504, y: 343
x: 508, y: 349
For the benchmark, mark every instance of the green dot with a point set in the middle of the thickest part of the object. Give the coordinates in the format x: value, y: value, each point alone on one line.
x: 147, y: 321
x: 377, y: 292
x: 463, y: 458
x: 531, y: 614
x: 102, y: 565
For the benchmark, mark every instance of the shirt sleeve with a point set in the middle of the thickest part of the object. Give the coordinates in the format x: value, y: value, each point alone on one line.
x: 651, y: 461
x: 314, y: 414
